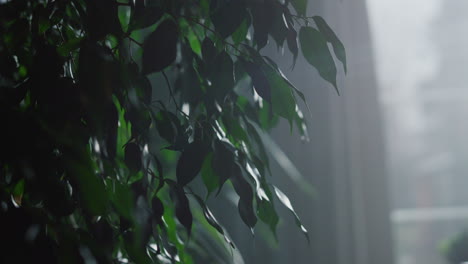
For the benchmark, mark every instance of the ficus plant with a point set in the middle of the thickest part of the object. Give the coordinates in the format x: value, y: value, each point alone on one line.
x: 113, y: 111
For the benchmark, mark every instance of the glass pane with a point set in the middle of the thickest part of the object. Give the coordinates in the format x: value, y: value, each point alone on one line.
x: 421, y: 51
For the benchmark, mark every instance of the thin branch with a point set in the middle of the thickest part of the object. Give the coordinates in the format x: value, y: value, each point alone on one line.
x: 172, y: 95
x: 135, y: 41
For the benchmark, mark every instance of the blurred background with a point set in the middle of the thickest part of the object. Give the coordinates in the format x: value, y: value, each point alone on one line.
x: 388, y: 158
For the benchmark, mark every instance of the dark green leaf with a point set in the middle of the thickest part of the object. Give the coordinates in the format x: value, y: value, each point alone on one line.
x: 297, y: 91
x: 145, y: 16
x: 160, y: 47
x: 279, y: 29
x: 144, y: 89
x: 223, y: 161
x: 212, y: 220
x: 241, y: 32
x: 69, y: 46
x: 259, y: 80
x: 315, y: 49
x: 221, y: 76
x: 135, y: 250
x: 190, y: 162
x: 291, y: 38
x: 102, y: 19
x: 183, y: 213
x: 158, y: 209
x: 188, y: 85
x: 262, y: 22
x: 227, y: 16
x: 282, y: 99
x: 267, y: 213
x: 133, y: 157
x: 286, y: 202
x: 122, y: 199
x: 91, y: 188
x: 208, y: 175
x: 165, y: 127
x: 300, y: 6
x: 244, y: 190
x: 331, y: 37
x: 208, y: 50
x: 159, y: 167
x: 112, y: 126
x: 58, y: 199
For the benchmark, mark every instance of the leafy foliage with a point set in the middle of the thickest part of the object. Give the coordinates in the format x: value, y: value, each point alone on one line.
x: 454, y: 248
x: 112, y: 110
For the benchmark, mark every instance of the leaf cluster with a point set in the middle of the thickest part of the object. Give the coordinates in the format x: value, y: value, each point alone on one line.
x: 113, y: 109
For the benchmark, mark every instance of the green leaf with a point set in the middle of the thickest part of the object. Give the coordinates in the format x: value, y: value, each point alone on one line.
x: 227, y: 16
x: 223, y: 160
x: 160, y: 47
x: 244, y: 190
x: 262, y: 22
x: 157, y: 209
x: 122, y: 199
x: 221, y: 76
x: 241, y: 32
x: 286, y: 202
x: 159, y: 167
x: 291, y: 38
x: 282, y: 99
x: 300, y: 6
x: 259, y: 80
x: 331, y: 37
x: 190, y: 162
x: 279, y: 28
x: 267, y: 213
x: 183, y: 213
x: 208, y: 50
x: 91, y: 188
x: 212, y: 220
x: 194, y: 42
x: 18, y: 191
x: 135, y: 250
x: 111, y: 131
x: 143, y: 17
x: 102, y: 19
x: 165, y: 127
x: 208, y: 175
x: 69, y: 46
x: 297, y: 91
x: 265, y: 209
x: 315, y: 49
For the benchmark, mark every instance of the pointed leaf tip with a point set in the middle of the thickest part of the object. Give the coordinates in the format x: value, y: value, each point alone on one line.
x: 315, y: 49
